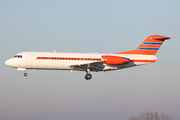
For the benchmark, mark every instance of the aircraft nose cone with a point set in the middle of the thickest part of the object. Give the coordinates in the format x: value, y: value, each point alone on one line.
x: 8, y: 62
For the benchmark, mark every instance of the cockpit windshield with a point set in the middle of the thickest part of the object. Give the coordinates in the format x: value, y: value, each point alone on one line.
x: 18, y: 56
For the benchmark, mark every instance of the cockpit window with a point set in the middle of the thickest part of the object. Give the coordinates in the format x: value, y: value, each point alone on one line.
x: 18, y: 56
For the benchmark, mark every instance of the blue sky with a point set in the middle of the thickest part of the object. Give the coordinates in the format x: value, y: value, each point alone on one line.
x: 101, y: 26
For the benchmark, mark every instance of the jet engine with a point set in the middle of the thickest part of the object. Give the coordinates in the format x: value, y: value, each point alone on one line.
x: 114, y: 60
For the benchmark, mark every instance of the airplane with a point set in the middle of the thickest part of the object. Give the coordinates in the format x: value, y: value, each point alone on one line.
x: 88, y: 62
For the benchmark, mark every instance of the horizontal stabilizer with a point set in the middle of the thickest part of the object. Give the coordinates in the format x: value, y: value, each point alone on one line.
x: 161, y: 38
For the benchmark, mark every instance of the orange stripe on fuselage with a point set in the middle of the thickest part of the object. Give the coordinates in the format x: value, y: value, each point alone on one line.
x: 67, y: 58
x: 87, y: 59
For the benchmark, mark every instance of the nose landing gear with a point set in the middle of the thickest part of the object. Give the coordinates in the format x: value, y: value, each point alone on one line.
x: 25, y: 74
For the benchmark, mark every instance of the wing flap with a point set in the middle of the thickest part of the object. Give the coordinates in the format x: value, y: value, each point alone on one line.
x: 93, y: 66
x: 86, y: 64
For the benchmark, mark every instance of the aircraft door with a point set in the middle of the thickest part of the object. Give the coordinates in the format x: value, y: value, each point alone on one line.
x: 29, y: 59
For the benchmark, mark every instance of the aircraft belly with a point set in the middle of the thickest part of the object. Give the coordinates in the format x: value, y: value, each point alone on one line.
x: 49, y: 64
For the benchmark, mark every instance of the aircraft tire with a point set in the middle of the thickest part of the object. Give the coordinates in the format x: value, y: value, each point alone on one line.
x: 25, y: 74
x: 88, y: 76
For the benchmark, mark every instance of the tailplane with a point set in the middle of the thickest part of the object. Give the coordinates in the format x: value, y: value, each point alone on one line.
x: 150, y: 46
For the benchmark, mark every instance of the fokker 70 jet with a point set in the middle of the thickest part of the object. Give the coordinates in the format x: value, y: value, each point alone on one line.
x: 88, y: 62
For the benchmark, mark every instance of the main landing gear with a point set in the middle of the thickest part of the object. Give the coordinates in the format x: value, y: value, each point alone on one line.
x: 88, y: 76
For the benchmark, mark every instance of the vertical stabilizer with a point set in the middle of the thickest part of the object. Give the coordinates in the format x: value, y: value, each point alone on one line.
x: 150, y: 46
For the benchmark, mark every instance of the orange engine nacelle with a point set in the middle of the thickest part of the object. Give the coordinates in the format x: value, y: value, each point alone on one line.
x: 114, y: 60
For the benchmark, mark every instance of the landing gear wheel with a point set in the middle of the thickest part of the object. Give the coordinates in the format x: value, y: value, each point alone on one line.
x: 88, y: 76
x: 25, y: 74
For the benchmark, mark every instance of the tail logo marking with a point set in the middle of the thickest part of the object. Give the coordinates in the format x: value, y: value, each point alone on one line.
x: 142, y: 48
x: 152, y: 43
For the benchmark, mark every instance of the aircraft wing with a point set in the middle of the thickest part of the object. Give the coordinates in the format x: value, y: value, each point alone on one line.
x: 93, y: 66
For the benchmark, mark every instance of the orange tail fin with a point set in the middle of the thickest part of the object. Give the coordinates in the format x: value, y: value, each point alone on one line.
x: 150, y: 46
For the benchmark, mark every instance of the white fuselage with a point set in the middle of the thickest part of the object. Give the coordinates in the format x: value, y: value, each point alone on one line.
x: 64, y: 61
